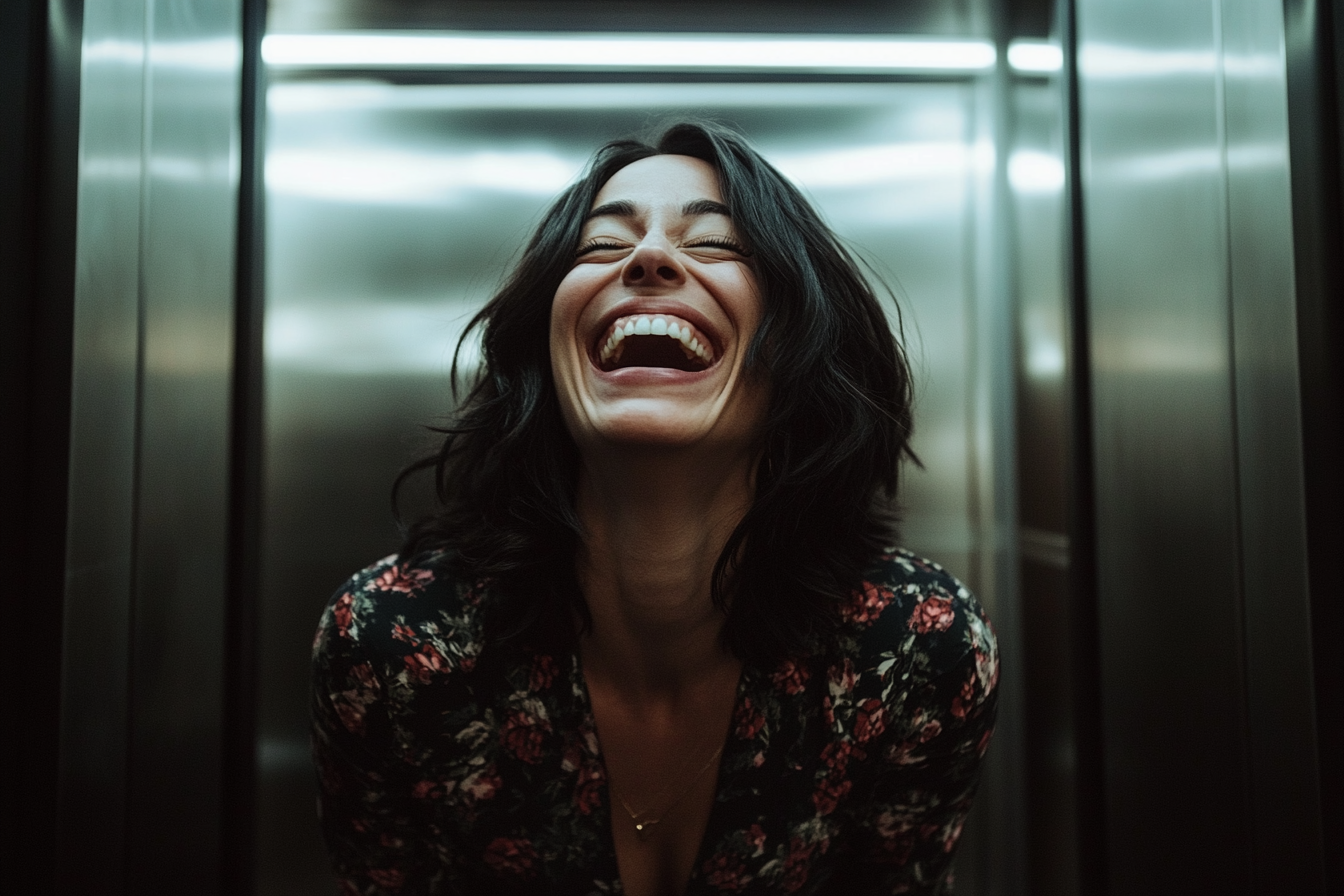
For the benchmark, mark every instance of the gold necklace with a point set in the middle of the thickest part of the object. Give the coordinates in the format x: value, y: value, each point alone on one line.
x: 642, y: 827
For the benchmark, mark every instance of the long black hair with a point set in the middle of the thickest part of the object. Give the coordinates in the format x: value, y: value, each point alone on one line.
x: 837, y: 428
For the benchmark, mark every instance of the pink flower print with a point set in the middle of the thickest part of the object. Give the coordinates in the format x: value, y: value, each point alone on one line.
x: 543, y: 673
x: 351, y: 704
x: 790, y: 677
x: 522, y: 735
x: 870, y: 720
x: 748, y: 720
x: 796, y: 864
x: 514, y: 856
x: 756, y: 839
x: 481, y: 785
x: 726, y: 872
x: 407, y: 581
x: 425, y: 662
x: 836, y: 755
x: 588, y: 790
x: 842, y: 677
x: 830, y: 792
x: 433, y: 790
x: 962, y: 703
x: 866, y: 604
x: 404, y: 633
x: 343, y: 613
x: 934, y: 614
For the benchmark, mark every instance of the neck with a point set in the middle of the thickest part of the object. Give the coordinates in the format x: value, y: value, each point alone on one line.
x: 655, y: 523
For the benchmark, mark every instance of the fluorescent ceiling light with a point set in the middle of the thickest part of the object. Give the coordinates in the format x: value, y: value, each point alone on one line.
x: 626, y: 52
x: 1035, y: 57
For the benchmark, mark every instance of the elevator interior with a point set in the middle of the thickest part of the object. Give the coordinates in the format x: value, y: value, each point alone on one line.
x: 1084, y: 212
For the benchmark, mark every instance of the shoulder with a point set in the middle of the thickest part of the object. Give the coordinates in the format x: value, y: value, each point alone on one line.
x: 413, y: 615
x: 911, y: 613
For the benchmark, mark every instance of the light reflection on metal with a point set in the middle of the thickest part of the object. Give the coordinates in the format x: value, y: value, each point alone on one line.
x: 399, y: 177
x: 887, y: 163
x: 1035, y: 57
x: 1030, y: 171
x: 633, y: 52
x: 354, y: 95
x: 387, y: 337
x: 207, y: 55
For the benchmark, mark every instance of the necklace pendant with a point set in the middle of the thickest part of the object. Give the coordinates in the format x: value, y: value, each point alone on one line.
x: 644, y: 829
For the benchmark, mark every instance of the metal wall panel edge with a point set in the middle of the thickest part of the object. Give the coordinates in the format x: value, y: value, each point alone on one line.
x: 104, y: 409
x: 175, y: 762
x: 1280, y: 705
x: 1165, y: 477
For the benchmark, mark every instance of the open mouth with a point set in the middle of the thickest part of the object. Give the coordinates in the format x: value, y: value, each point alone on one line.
x: 654, y: 340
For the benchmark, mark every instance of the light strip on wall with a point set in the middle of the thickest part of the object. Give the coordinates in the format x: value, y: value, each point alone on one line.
x: 626, y: 52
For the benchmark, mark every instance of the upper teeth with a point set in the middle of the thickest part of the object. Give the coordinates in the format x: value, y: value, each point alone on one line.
x: 656, y: 325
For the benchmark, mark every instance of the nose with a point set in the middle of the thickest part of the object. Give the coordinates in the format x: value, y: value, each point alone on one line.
x: 652, y: 265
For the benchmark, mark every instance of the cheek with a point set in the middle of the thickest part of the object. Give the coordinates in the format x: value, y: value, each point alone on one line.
x: 572, y: 297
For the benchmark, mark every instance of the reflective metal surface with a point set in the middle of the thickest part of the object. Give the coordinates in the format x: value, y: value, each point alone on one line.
x: 1206, y: 690
x: 1039, y: 223
x: 141, y: 767
x: 392, y: 212
x: 95, y: 643
x: 1284, y: 790
x: 396, y: 203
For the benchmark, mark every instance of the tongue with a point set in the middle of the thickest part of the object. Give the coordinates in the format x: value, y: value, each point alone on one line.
x: 655, y: 351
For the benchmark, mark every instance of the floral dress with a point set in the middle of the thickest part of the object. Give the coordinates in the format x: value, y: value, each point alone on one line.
x: 845, y: 773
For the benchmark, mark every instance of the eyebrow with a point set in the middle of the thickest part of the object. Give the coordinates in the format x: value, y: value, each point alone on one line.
x: 624, y: 208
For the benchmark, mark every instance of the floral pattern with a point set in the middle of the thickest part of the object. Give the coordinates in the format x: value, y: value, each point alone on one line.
x: 844, y: 772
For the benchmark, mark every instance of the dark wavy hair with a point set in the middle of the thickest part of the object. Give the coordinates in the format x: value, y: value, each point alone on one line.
x: 837, y: 428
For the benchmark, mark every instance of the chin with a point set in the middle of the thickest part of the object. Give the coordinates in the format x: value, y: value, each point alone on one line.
x: 645, y: 429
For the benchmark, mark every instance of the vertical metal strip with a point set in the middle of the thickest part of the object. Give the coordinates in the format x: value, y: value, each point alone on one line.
x: 1314, y: 55
x: 1314, y: 75
x: 1083, y: 619
x: 92, y: 787
x: 178, y: 634
x: 244, y: 546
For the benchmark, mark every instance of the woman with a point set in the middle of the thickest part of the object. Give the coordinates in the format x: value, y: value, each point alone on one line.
x: 655, y: 641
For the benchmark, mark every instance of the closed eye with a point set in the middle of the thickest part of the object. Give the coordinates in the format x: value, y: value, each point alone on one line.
x: 718, y: 242
x: 599, y: 245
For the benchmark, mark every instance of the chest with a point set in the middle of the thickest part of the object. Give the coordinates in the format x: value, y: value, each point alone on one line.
x: 525, y: 790
x: 662, y: 766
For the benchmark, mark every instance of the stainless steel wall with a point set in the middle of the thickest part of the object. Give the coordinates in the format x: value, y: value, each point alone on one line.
x: 1209, y: 753
x: 394, y: 203
x: 143, y: 644
x: 392, y: 212
x: 1039, y: 229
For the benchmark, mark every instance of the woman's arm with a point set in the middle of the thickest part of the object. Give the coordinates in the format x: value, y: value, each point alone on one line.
x: 364, y: 790
x: 925, y: 774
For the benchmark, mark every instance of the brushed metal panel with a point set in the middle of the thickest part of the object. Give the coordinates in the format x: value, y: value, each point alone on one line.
x: 95, y: 685
x: 188, y: 220
x: 393, y: 210
x: 1280, y: 698
x: 1166, y: 480
x: 1036, y: 181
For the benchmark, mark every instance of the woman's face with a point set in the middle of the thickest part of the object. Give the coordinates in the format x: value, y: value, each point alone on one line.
x: 650, y: 327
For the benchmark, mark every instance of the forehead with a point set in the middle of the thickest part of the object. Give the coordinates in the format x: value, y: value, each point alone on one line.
x: 660, y: 181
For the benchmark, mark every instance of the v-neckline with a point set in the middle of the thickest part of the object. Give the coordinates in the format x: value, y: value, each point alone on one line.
x: 729, y: 759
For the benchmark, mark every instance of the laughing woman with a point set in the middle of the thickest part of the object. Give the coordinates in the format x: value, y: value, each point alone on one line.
x: 655, y: 639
